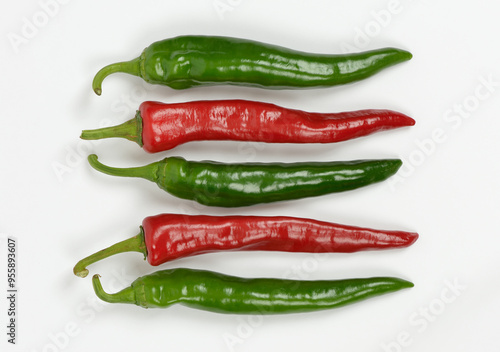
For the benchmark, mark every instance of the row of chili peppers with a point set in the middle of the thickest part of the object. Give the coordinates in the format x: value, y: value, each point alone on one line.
x: 188, y: 61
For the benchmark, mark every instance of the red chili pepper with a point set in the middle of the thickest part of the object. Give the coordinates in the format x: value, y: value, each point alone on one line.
x: 158, y: 127
x: 167, y: 237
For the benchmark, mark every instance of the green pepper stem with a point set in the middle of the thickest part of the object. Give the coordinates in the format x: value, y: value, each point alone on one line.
x: 148, y: 172
x: 134, y: 244
x: 131, y: 67
x: 131, y: 130
x: 126, y: 295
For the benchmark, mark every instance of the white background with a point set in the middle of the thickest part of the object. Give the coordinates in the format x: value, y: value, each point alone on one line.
x: 61, y: 210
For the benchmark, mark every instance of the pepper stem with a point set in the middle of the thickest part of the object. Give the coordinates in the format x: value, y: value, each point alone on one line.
x: 149, y: 172
x: 131, y: 67
x: 131, y: 130
x: 134, y: 244
x: 126, y: 295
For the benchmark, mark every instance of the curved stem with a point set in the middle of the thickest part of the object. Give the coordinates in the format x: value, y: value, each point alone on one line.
x: 131, y: 130
x: 134, y: 244
x: 131, y: 67
x: 126, y: 295
x: 148, y: 172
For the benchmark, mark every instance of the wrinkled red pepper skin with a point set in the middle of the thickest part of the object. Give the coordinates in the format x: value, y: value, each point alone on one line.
x: 171, y: 236
x: 165, y: 126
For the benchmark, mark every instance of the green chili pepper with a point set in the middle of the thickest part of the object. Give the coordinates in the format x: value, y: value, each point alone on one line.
x: 234, y: 185
x: 221, y: 293
x: 187, y: 61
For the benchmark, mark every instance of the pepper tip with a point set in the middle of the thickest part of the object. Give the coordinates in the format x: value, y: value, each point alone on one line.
x: 413, y: 238
x: 395, y: 165
x: 404, y: 55
x: 408, y: 284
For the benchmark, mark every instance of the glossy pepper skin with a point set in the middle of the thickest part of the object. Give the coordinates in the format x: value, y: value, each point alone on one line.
x: 189, y: 61
x: 158, y: 127
x: 167, y: 237
x: 221, y: 293
x: 235, y: 185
